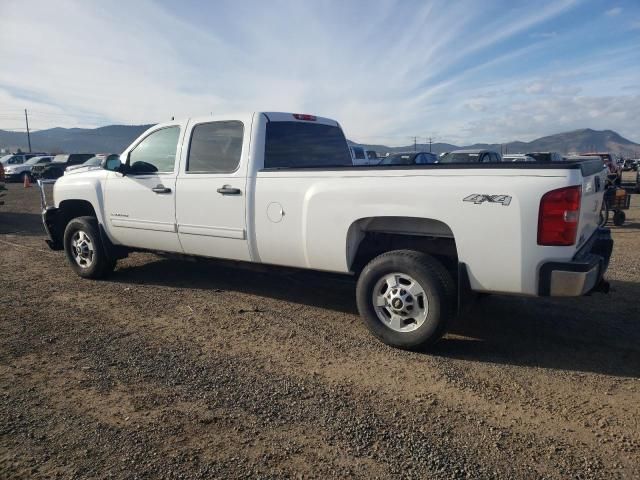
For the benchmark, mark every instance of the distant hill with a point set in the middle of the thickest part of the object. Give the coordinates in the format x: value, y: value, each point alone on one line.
x: 583, y: 140
x: 110, y: 139
x: 115, y: 138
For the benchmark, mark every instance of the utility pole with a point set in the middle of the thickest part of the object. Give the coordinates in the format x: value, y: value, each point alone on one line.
x: 26, y: 119
x: 415, y: 146
x: 430, y: 142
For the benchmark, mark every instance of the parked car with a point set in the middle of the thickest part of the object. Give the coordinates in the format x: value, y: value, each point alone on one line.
x: 285, y: 192
x: 359, y: 155
x: 611, y: 164
x: 372, y: 156
x: 518, y: 157
x: 2, y: 187
x: 471, y: 156
x: 546, y: 157
x: 19, y: 172
x: 95, y: 161
x: 629, y: 165
x: 410, y: 158
x: 18, y: 158
x: 56, y: 168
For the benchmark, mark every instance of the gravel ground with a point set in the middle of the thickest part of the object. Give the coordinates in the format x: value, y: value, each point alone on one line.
x: 175, y: 369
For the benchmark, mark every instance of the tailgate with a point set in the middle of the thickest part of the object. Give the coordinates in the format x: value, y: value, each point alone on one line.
x: 593, y: 186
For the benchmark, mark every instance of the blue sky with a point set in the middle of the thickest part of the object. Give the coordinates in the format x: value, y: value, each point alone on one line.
x: 458, y: 71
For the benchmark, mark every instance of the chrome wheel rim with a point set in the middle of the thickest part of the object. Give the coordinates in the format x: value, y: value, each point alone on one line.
x: 82, y: 249
x: 400, y: 302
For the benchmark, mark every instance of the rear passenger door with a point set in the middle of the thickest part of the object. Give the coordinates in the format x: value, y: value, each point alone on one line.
x: 211, y: 196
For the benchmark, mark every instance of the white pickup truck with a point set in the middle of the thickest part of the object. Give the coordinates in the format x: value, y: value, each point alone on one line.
x: 281, y: 189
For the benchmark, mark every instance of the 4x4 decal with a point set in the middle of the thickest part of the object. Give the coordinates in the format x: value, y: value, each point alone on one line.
x: 479, y: 198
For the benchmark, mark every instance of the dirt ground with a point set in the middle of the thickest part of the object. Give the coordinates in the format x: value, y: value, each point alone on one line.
x: 174, y: 369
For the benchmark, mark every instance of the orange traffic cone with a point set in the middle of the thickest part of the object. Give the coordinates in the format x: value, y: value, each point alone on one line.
x: 27, y: 181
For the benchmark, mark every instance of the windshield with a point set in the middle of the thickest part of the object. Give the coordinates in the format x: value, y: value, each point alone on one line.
x: 5, y: 158
x: 60, y: 158
x: 34, y: 160
x: 400, y: 159
x: 459, y: 158
x: 92, y: 162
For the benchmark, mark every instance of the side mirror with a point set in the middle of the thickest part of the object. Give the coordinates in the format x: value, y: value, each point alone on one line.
x: 112, y: 164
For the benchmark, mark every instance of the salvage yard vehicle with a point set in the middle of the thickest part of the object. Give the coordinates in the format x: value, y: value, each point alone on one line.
x: 610, y: 162
x: 470, y: 156
x: 281, y: 189
x: 517, y: 157
x: 17, y: 158
x: 546, y: 156
x: 19, y: 172
x: 60, y: 162
x: 411, y: 158
x: 2, y: 187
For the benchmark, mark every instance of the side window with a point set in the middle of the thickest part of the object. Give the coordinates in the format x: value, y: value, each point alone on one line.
x: 156, y: 153
x: 215, y: 147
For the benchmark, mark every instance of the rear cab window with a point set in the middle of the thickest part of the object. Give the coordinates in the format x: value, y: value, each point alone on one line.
x: 291, y: 144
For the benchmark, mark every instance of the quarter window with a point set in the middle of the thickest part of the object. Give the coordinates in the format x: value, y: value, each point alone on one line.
x: 156, y: 153
x: 215, y: 147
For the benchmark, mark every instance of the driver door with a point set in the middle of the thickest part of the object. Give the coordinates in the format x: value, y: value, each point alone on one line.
x: 140, y: 205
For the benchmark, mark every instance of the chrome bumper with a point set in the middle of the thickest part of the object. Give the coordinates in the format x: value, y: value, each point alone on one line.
x: 583, y: 274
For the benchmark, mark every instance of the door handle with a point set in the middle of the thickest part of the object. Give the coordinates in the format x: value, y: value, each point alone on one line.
x: 227, y: 190
x: 161, y: 189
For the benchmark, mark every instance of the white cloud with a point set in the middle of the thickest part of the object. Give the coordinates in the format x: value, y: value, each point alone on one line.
x: 613, y: 12
x: 407, y: 69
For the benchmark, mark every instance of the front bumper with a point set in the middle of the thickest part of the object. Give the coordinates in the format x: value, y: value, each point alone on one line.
x: 14, y: 177
x: 50, y: 218
x: 581, y: 275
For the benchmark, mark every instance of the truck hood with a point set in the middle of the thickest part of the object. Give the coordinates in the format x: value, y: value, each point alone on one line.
x: 76, y: 169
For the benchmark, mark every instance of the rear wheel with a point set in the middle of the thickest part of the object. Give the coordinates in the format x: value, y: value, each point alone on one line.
x: 405, y: 298
x: 84, y: 250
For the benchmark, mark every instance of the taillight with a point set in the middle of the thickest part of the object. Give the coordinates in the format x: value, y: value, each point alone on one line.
x: 304, y: 116
x: 558, y: 216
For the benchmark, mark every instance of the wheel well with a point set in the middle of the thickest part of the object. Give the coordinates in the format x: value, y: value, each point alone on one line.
x: 370, y: 237
x: 67, y: 211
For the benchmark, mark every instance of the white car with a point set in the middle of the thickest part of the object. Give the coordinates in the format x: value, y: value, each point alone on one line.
x: 20, y: 171
x: 281, y: 189
x: 517, y: 157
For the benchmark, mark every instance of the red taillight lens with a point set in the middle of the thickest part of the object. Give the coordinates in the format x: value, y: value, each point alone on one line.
x: 304, y: 116
x: 558, y: 216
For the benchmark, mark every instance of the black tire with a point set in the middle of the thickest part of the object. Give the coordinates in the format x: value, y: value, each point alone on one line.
x: 432, y: 277
x: 618, y: 218
x: 100, y: 264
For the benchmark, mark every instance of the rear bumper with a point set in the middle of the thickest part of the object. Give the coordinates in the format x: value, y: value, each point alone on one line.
x: 581, y: 275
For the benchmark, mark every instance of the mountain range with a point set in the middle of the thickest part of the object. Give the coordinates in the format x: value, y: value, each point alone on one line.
x: 115, y: 138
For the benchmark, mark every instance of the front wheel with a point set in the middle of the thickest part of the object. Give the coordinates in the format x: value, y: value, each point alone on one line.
x: 84, y: 250
x: 405, y: 298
